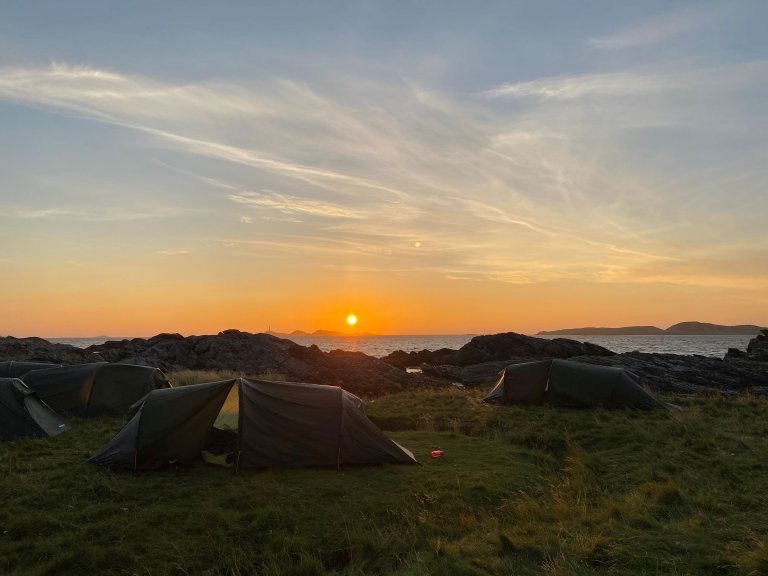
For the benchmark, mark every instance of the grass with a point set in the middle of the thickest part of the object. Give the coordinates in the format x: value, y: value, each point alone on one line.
x: 186, y: 377
x: 530, y: 490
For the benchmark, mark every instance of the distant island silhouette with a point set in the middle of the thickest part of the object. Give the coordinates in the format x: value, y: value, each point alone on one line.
x: 680, y: 329
x: 320, y: 333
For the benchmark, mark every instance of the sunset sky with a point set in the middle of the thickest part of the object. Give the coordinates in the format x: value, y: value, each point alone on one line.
x: 430, y: 167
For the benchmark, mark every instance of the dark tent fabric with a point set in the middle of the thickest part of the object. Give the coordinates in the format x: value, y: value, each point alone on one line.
x: 278, y: 424
x: 572, y: 384
x: 522, y: 384
x: 94, y: 389
x: 172, y: 425
x: 23, y: 414
x: 14, y: 369
x: 296, y: 425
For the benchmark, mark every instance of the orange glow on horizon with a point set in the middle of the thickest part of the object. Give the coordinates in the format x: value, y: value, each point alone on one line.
x: 421, y: 303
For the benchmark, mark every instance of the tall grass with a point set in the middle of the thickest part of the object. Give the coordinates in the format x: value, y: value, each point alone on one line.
x: 531, y: 490
x: 186, y: 377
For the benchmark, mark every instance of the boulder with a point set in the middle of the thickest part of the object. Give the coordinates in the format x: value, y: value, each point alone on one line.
x: 40, y: 350
x: 497, y: 347
x: 512, y: 345
x: 405, y: 360
x: 757, y: 349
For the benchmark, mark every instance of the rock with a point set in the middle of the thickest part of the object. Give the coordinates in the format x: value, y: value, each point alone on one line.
x: 40, y: 350
x: 497, y: 347
x: 266, y: 356
x: 757, y: 349
x: 447, y: 371
x: 482, y: 374
x: 510, y: 345
x: 672, y: 373
x: 405, y: 360
x: 480, y: 361
x: 689, y: 374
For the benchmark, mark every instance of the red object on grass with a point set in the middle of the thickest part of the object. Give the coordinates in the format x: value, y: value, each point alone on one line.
x: 437, y: 453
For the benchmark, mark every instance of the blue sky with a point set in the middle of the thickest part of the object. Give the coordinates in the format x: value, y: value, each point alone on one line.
x: 250, y: 164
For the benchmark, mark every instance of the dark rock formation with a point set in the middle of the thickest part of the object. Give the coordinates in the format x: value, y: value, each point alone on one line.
x: 40, y: 350
x: 757, y: 349
x: 672, y: 373
x: 475, y: 364
x: 511, y: 345
x: 497, y: 347
x: 480, y: 361
x: 690, y: 374
x: 405, y: 360
x: 266, y: 356
x: 485, y: 373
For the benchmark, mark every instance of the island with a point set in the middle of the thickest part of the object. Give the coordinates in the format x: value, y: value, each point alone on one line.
x: 680, y: 329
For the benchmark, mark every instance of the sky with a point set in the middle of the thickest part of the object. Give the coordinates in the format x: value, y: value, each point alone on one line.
x: 431, y: 167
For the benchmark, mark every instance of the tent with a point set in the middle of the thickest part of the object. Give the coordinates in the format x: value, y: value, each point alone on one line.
x: 571, y: 384
x: 93, y: 389
x: 257, y: 423
x: 22, y: 414
x: 15, y: 369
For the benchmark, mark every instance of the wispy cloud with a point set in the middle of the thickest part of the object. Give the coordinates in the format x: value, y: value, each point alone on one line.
x: 571, y: 87
x: 514, y: 192
x: 173, y: 252
x: 293, y: 205
x: 34, y: 214
x: 64, y: 70
x: 93, y: 215
x: 655, y: 29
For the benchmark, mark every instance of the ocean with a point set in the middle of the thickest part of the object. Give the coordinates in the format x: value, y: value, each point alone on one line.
x: 715, y: 346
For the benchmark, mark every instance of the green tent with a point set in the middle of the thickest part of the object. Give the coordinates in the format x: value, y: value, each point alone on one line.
x: 251, y: 424
x: 23, y: 414
x: 16, y: 369
x: 171, y: 425
x: 94, y: 389
x: 571, y: 384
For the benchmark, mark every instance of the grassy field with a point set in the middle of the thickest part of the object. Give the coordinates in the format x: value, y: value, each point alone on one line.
x: 520, y: 491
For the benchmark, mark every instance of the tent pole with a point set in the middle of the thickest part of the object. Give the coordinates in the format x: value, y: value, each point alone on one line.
x: 239, y: 384
x: 338, y: 435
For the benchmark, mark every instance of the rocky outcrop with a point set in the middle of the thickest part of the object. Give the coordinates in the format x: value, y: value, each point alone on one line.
x: 480, y: 361
x: 475, y: 364
x: 671, y: 373
x: 40, y: 350
x: 690, y: 374
x: 405, y: 360
x: 266, y: 356
x: 483, y: 374
x: 497, y: 347
x: 510, y: 345
x: 757, y: 349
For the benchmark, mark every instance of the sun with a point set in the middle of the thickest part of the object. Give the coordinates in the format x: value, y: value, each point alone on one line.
x: 351, y: 319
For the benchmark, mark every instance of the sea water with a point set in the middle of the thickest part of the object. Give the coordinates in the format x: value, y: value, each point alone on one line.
x: 715, y: 346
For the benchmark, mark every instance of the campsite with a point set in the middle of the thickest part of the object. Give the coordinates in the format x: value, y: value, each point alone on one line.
x: 384, y: 288
x: 521, y: 489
